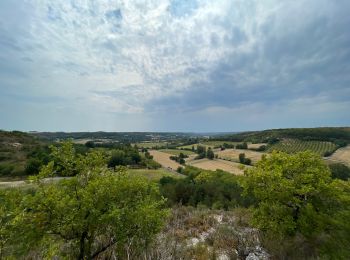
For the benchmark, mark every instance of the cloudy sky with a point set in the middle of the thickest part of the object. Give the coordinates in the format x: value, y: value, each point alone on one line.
x: 176, y: 65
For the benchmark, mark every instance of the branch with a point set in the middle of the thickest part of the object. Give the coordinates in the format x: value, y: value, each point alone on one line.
x: 104, y: 248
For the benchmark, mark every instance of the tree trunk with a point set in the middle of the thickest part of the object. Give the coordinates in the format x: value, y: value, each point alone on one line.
x: 82, y: 252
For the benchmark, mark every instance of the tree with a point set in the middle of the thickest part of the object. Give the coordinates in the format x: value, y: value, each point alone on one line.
x: 296, y: 195
x: 117, y: 158
x: 94, y: 212
x: 201, y: 150
x: 90, y: 144
x: 210, y: 154
x: 340, y: 171
x: 241, y: 157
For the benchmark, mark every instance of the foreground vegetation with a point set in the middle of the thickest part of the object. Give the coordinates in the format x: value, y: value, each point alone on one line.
x: 115, y: 202
x: 97, y: 211
x: 101, y: 212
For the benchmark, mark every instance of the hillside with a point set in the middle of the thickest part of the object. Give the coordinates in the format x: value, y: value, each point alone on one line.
x: 332, y: 134
x: 17, y: 152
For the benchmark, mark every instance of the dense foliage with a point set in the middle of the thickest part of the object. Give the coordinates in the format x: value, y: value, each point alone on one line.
x: 219, y: 190
x: 340, y: 171
x: 98, y: 212
x: 297, y: 197
x: 21, y: 154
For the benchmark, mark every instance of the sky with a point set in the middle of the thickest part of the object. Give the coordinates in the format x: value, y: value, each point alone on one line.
x: 177, y: 65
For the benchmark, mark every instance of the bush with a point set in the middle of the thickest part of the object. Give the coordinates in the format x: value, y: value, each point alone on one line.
x: 33, y: 166
x: 242, y: 146
x: 327, y: 153
x: 243, y: 159
x: 339, y: 171
x: 210, y: 154
x: 6, y: 169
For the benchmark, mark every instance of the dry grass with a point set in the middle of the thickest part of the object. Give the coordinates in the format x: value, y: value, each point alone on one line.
x: 255, y: 146
x: 341, y: 155
x: 176, y: 151
x: 213, y: 165
x: 163, y: 159
x: 232, y: 154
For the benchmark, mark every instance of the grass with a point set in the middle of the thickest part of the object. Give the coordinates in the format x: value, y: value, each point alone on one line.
x: 176, y: 152
x: 154, y: 175
x: 294, y: 146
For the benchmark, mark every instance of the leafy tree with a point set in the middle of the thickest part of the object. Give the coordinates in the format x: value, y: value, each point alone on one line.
x: 296, y: 195
x: 201, y: 151
x: 33, y: 166
x: 117, y: 158
x: 339, y: 171
x: 242, y: 146
x: 84, y: 216
x: 210, y: 154
x: 241, y: 157
x: 90, y: 144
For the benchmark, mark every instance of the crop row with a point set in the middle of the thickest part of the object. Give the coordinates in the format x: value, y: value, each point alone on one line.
x: 294, y: 146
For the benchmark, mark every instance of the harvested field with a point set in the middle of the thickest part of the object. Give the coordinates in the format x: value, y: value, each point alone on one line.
x: 150, y: 144
x: 176, y: 152
x: 232, y: 154
x: 341, y: 155
x: 255, y: 146
x: 213, y: 165
x: 163, y: 159
x: 208, y: 144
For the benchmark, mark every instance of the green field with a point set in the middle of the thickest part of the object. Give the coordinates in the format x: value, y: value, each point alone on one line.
x: 176, y: 152
x: 155, y: 175
x: 294, y: 146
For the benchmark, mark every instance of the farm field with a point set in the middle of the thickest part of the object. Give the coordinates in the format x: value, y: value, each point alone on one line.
x: 163, y: 159
x: 255, y: 146
x: 341, y: 155
x: 150, y: 144
x: 232, y: 154
x: 208, y: 144
x: 294, y: 146
x: 176, y: 152
x: 213, y: 165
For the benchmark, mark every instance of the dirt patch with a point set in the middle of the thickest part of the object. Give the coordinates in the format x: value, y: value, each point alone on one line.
x: 341, y: 155
x: 213, y: 165
x: 163, y: 159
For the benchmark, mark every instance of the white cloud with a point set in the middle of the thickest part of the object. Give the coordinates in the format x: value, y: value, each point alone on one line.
x: 153, y: 57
